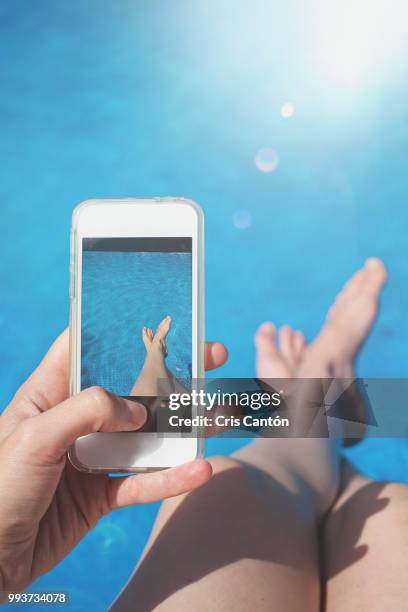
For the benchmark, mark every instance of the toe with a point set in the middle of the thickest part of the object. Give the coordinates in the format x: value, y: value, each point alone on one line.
x: 267, y: 354
x: 369, y: 280
x: 375, y: 275
x: 265, y: 338
x: 286, y: 343
x: 270, y: 363
x: 352, y: 287
x: 299, y: 345
x: 352, y: 316
x: 163, y: 327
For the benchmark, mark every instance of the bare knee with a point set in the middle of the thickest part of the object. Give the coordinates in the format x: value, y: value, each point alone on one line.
x: 395, y: 500
x: 397, y: 493
x: 220, y: 464
x: 366, y: 505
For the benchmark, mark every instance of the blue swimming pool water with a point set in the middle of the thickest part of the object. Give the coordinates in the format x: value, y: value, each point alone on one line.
x: 127, y: 98
x: 121, y: 294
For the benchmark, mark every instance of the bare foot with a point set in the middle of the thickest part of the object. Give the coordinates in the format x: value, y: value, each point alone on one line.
x: 333, y: 352
x: 348, y: 323
x: 273, y: 361
x: 147, y: 337
x: 159, y: 339
x: 154, y: 375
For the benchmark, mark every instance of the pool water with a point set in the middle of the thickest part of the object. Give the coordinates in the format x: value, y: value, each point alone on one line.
x: 121, y: 294
x: 113, y: 99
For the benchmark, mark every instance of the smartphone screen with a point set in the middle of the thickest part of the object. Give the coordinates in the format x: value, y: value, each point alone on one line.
x: 136, y: 319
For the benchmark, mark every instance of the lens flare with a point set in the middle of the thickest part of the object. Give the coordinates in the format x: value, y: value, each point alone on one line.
x: 241, y: 219
x: 266, y: 160
x: 287, y: 110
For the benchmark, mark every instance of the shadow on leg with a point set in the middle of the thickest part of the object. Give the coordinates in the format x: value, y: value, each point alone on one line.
x: 243, y: 541
x: 366, y: 546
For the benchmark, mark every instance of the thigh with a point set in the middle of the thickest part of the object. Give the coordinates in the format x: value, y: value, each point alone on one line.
x: 366, y: 547
x: 242, y: 542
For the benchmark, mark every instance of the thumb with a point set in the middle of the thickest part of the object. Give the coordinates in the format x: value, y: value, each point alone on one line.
x: 51, y: 433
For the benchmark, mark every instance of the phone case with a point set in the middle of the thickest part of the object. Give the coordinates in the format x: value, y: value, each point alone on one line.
x: 74, y: 383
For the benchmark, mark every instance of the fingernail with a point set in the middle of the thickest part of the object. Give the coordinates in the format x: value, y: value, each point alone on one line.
x: 138, y: 412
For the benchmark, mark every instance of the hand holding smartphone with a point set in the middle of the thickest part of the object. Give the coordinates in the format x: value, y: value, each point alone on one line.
x: 136, y: 325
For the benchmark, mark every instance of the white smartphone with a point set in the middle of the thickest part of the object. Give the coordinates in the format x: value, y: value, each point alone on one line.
x: 136, y: 274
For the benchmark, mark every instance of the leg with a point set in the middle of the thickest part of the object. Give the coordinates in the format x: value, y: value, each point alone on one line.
x: 248, y: 539
x: 369, y: 520
x: 155, y: 378
x: 366, y: 546
x: 331, y: 354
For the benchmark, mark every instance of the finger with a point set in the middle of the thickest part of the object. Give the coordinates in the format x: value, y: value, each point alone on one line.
x: 51, y: 433
x: 215, y: 355
x: 48, y: 384
x: 146, y: 488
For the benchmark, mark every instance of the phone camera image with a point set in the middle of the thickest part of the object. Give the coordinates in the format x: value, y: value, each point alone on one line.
x: 136, y: 323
